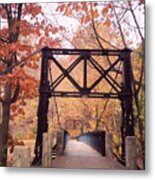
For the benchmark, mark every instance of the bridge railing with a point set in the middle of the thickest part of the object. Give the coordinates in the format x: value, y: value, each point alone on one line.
x: 94, y: 139
x: 103, y: 143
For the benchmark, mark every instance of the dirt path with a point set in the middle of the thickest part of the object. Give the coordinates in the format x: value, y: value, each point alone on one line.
x: 81, y: 156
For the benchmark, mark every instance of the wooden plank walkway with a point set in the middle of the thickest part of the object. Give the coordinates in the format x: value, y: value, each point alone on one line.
x: 78, y: 155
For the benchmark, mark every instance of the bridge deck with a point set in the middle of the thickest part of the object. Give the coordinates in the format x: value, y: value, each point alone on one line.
x: 78, y: 155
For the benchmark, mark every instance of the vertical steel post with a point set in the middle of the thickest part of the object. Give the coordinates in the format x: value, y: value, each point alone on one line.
x: 127, y: 128
x: 42, y: 107
x: 85, y: 73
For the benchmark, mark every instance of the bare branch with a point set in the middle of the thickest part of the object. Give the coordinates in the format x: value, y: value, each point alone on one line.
x: 136, y: 22
x: 120, y: 28
x: 96, y: 34
x: 100, y: 44
x: 107, y: 42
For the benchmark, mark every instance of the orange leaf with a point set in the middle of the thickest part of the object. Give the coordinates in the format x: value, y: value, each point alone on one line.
x: 108, y: 23
x: 104, y: 11
x: 94, y: 13
x: 87, y: 19
x: 68, y: 12
x: 84, y: 6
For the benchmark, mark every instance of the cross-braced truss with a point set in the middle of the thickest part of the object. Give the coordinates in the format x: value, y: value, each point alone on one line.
x: 85, y: 56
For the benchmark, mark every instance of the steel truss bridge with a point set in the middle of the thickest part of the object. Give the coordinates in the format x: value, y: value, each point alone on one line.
x: 122, y: 91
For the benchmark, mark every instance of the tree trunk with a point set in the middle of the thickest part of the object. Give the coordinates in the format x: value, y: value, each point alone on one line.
x: 97, y: 119
x: 5, y: 126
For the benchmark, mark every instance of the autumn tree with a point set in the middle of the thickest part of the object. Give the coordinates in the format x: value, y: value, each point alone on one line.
x: 23, y: 33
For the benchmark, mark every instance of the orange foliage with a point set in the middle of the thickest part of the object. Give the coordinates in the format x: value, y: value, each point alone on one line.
x: 24, y: 36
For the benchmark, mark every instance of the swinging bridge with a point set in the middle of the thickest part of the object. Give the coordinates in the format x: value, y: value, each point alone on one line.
x: 48, y: 88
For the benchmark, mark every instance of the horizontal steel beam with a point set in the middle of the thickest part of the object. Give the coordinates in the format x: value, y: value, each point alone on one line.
x: 83, y: 52
x: 89, y: 95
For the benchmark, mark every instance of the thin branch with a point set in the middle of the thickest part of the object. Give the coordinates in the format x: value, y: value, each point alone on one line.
x: 141, y: 77
x: 132, y: 26
x: 96, y: 34
x: 9, y: 69
x: 120, y: 28
x: 101, y: 46
x: 107, y: 42
x: 120, y: 19
x: 136, y: 22
x: 4, y: 61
